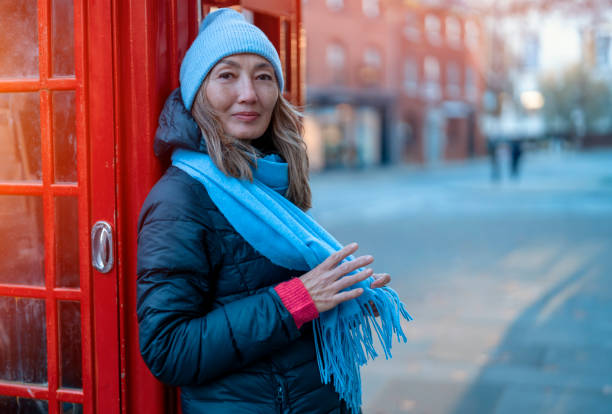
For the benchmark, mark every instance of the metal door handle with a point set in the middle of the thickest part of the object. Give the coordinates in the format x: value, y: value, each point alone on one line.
x: 102, y: 247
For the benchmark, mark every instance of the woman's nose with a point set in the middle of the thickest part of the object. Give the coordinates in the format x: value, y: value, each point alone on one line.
x: 246, y: 90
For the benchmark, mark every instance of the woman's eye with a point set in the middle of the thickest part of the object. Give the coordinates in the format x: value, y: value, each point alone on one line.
x: 264, y: 76
x: 226, y: 75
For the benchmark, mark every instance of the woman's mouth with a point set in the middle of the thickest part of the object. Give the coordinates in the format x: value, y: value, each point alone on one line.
x: 246, y: 116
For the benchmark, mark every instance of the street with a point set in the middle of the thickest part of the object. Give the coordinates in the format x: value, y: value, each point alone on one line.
x: 509, y: 282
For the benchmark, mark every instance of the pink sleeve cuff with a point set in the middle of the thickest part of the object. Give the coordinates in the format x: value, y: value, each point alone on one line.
x: 297, y: 300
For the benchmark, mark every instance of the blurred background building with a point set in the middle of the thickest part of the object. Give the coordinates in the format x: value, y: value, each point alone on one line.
x: 424, y: 82
x: 392, y: 81
x: 549, y: 72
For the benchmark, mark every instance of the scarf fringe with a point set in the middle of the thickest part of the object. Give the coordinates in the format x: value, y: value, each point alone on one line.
x: 343, y: 348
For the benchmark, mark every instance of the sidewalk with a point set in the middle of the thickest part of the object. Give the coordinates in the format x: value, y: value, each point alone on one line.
x: 458, y: 189
x: 509, y: 283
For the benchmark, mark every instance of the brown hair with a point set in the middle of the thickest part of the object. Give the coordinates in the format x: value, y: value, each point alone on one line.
x: 235, y: 157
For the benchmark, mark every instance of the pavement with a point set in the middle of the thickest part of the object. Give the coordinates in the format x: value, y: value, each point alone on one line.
x: 509, y: 282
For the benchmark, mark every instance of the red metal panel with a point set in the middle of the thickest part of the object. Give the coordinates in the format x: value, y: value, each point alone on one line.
x: 23, y: 291
x: 27, y: 85
x: 37, y: 189
x: 21, y: 188
x: 48, y: 210
x: 29, y: 391
x: 83, y: 171
x: 143, y: 77
x: 103, y: 294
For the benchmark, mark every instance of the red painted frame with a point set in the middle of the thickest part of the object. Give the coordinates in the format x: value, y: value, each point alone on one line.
x: 149, y: 40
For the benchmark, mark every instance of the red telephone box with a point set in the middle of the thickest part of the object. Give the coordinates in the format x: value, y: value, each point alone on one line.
x: 81, y: 86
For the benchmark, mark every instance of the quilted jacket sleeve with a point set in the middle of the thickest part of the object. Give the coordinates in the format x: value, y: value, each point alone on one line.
x: 183, y: 340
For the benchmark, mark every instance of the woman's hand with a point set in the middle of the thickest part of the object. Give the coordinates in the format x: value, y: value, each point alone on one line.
x: 325, y: 282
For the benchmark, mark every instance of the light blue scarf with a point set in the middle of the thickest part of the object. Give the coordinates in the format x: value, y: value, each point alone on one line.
x: 290, y: 238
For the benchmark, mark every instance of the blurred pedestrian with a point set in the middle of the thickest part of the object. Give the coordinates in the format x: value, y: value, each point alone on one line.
x: 492, y: 148
x: 244, y: 301
x: 516, y: 151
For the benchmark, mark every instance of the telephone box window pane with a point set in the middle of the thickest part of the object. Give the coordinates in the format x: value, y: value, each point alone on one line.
x: 64, y: 136
x: 19, y: 39
x: 70, y: 344
x: 22, y: 243
x: 72, y: 408
x: 23, y: 344
x: 20, y: 131
x: 18, y: 405
x: 63, y: 37
x: 67, y: 241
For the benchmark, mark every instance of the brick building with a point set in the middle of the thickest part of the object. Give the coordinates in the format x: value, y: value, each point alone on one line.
x: 393, y: 81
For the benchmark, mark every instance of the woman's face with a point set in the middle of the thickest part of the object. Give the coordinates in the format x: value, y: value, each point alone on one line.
x: 242, y: 91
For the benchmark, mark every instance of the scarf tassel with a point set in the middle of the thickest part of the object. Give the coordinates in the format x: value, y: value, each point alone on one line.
x: 343, y: 350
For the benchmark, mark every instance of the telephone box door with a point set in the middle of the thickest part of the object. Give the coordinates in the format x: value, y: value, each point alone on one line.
x: 56, y: 181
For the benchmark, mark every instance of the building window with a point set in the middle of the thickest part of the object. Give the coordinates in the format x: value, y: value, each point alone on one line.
x: 371, y: 58
x: 432, y: 69
x: 411, y: 76
x: 371, y: 8
x: 370, y: 73
x: 335, y: 5
x: 453, y: 80
x: 603, y: 51
x: 531, y: 51
x: 471, y: 34
x: 432, y: 78
x: 412, y: 28
x: 432, y: 28
x: 335, y: 56
x: 471, y: 90
x: 453, y: 32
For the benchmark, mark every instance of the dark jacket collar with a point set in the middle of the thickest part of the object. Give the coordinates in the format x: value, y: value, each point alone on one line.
x: 176, y: 129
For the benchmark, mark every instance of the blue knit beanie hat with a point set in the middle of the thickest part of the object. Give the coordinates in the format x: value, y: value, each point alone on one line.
x: 223, y: 32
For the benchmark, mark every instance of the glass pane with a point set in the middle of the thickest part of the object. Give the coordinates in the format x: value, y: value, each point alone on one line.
x: 72, y: 408
x: 63, y: 37
x: 67, y: 242
x: 22, y: 242
x: 64, y: 136
x: 18, y: 39
x: 18, y: 405
x: 23, y: 343
x: 20, y: 132
x: 70, y: 344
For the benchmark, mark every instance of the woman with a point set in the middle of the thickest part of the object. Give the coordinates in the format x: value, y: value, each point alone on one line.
x: 221, y: 314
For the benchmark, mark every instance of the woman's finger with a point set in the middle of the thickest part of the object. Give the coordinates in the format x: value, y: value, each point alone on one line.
x: 347, y: 295
x: 349, y: 281
x: 337, y: 257
x: 380, y: 280
x: 352, y: 265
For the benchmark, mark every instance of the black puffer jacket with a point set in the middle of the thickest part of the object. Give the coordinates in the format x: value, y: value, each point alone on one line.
x: 210, y: 320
